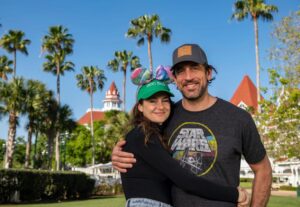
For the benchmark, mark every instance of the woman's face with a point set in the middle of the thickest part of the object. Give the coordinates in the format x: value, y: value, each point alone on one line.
x: 157, y: 108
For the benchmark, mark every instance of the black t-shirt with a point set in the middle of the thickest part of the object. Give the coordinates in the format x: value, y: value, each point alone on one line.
x: 150, y: 176
x: 210, y: 144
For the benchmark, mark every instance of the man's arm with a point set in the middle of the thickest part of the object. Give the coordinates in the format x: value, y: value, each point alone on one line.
x: 262, y: 182
x: 121, y: 160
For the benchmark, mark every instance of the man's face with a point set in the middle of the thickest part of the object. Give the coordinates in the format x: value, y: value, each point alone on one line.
x: 192, y: 80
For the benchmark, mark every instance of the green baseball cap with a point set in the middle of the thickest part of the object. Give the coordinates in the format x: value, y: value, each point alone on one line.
x: 151, y: 88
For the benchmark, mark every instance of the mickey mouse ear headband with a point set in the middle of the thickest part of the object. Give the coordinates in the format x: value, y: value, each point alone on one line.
x: 141, y: 76
x: 150, y: 84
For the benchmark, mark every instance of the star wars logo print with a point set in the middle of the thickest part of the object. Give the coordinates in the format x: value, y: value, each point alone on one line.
x: 195, y: 146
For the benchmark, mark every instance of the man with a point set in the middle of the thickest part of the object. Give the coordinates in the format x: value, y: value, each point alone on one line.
x: 208, y: 135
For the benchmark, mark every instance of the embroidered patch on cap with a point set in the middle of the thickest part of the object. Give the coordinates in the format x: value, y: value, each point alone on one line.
x: 184, y: 50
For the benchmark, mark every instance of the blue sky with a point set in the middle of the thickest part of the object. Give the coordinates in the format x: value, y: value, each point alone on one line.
x: 99, y: 28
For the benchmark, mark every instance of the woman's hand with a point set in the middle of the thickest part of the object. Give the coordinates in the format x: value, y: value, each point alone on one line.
x: 244, y: 198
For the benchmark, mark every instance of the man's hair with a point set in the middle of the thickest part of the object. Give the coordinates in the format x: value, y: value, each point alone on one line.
x: 213, y: 69
x: 206, y: 66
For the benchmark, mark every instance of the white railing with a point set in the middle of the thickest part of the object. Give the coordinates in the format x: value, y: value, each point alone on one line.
x: 101, y: 170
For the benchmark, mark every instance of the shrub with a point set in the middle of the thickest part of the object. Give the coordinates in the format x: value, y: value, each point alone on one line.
x: 246, y: 180
x: 44, y: 185
x: 108, y: 189
x: 286, y: 187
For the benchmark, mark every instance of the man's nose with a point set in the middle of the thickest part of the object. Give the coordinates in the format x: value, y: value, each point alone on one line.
x: 187, y: 74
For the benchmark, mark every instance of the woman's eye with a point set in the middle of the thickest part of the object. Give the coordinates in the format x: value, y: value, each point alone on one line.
x: 166, y: 100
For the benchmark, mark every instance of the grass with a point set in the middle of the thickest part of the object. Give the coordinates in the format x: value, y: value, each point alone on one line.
x: 119, y: 201
x: 279, y: 201
x: 246, y: 184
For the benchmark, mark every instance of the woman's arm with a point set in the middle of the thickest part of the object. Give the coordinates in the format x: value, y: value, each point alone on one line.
x: 157, y: 157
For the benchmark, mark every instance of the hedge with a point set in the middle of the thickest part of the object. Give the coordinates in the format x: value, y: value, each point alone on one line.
x: 290, y: 188
x: 34, y: 185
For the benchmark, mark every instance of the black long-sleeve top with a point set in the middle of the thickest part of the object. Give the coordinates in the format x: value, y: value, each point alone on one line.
x: 155, y: 169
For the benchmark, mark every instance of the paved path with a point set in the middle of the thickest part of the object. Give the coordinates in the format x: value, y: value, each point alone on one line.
x: 280, y: 193
x: 284, y: 193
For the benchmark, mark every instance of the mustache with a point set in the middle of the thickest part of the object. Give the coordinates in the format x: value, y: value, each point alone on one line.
x: 190, y: 81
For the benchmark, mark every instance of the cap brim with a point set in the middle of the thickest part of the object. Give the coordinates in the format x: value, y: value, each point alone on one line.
x: 186, y: 59
x: 155, y: 92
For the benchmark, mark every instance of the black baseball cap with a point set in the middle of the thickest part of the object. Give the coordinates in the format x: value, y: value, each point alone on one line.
x: 189, y: 52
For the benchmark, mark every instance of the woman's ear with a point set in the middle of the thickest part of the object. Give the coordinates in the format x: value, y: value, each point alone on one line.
x: 140, y: 108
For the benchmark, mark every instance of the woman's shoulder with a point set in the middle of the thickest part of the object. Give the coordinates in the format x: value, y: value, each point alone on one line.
x: 134, y: 134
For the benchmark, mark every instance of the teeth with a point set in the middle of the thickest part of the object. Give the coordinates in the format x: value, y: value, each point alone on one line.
x: 191, y: 86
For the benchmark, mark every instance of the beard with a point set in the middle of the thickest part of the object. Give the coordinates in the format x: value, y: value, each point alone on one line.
x: 197, y: 96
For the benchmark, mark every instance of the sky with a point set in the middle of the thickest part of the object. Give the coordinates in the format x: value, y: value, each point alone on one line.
x: 99, y: 27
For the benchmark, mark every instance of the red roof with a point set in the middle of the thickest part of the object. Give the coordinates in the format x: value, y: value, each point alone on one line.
x: 246, y: 93
x: 112, y: 87
x: 86, y: 118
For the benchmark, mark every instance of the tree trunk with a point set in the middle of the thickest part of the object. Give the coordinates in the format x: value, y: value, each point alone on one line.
x: 15, y: 64
x: 10, y: 144
x: 57, y: 137
x: 124, y: 89
x: 28, y: 146
x: 150, y: 54
x: 92, y: 123
x: 50, y: 137
x: 257, y: 64
x: 35, y: 146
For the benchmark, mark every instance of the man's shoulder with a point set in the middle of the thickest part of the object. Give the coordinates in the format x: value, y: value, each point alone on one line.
x: 228, y: 107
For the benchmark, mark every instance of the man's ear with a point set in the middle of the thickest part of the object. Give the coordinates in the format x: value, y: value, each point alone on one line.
x: 209, y: 74
x: 140, y: 108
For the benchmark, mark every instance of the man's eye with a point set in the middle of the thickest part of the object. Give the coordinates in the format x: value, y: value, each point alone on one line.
x: 178, y: 71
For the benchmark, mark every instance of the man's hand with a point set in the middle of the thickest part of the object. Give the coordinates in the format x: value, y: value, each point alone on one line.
x: 121, y: 160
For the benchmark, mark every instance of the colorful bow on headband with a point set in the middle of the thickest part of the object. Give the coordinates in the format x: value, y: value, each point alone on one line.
x: 141, y: 76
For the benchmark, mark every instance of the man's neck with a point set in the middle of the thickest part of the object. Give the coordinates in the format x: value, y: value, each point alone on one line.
x: 200, y: 104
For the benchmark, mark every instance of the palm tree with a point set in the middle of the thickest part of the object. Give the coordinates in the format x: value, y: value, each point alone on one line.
x: 148, y: 26
x: 14, y: 41
x: 256, y: 9
x: 66, y: 125
x: 12, y: 97
x: 48, y: 126
x: 91, y: 78
x: 5, y: 67
x: 58, y: 43
x: 116, y: 125
x: 122, y: 60
x: 36, y: 97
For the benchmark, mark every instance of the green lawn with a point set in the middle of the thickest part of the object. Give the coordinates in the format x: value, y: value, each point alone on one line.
x: 246, y: 184
x: 119, y: 201
x: 278, y: 201
x: 97, y: 202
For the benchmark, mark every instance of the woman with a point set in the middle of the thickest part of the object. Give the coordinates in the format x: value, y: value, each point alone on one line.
x: 148, y: 182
